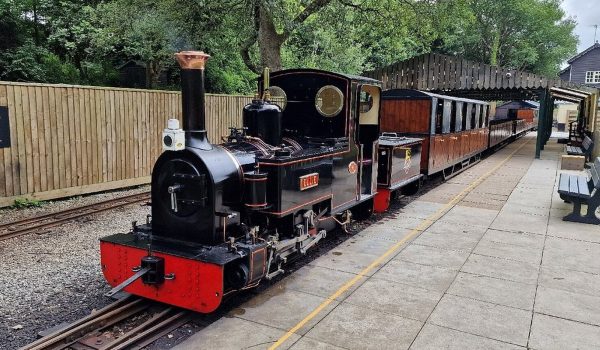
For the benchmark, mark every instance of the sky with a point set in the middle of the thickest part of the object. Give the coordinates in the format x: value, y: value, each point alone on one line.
x: 586, y: 13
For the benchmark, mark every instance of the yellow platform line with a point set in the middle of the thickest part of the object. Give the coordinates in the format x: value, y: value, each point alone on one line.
x: 421, y: 227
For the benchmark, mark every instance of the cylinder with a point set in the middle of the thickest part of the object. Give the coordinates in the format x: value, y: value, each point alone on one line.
x: 255, y: 190
x: 192, y: 65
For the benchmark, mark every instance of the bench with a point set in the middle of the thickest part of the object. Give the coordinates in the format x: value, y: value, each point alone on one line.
x: 585, y: 150
x: 575, y: 134
x: 579, y: 190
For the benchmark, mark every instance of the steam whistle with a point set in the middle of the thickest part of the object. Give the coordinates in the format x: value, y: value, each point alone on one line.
x: 266, y: 84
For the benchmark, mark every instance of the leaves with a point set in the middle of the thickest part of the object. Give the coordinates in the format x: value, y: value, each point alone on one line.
x: 83, y: 41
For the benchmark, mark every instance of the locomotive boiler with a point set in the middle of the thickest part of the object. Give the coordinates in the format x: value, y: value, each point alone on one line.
x: 225, y: 216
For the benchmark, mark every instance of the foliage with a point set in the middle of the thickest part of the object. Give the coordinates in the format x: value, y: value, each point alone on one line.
x: 84, y: 41
x: 533, y: 35
x: 27, y: 203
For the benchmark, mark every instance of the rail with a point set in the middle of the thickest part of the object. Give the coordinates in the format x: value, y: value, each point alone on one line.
x: 32, y: 224
x: 90, y: 332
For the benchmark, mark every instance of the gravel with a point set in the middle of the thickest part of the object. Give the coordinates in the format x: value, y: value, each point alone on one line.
x: 12, y: 214
x: 54, y: 276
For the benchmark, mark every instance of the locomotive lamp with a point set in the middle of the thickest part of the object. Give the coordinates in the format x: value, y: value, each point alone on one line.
x: 173, y: 137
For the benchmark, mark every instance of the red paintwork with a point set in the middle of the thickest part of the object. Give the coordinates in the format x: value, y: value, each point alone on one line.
x: 197, y: 286
x: 382, y: 200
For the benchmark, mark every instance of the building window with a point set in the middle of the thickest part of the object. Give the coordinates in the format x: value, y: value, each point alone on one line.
x: 592, y: 77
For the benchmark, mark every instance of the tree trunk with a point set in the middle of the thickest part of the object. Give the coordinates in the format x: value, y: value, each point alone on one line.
x: 494, y: 49
x: 269, y: 42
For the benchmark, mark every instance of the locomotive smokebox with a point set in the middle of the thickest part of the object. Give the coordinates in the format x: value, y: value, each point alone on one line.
x: 192, y: 89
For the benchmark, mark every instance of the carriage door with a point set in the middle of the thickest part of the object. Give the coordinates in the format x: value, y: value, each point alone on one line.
x: 368, y: 136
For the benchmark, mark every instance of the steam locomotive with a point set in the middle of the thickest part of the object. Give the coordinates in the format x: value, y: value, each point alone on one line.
x: 310, y: 157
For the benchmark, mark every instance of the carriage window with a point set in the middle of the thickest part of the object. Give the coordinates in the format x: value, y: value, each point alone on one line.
x: 473, y: 116
x: 439, y: 116
x: 278, y: 96
x: 366, y: 102
x: 329, y: 101
x: 484, y: 111
x: 453, y: 116
x: 464, y: 115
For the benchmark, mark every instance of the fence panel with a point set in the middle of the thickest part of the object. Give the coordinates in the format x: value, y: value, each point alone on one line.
x: 68, y: 140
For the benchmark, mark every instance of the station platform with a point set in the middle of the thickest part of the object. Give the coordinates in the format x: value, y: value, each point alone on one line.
x: 483, y: 261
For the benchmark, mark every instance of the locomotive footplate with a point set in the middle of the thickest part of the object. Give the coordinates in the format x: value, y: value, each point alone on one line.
x: 194, y: 278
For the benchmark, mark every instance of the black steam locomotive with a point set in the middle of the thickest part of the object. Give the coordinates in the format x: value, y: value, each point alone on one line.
x: 226, y: 216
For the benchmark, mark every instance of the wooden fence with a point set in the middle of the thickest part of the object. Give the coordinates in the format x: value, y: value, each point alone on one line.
x: 433, y: 71
x: 68, y: 140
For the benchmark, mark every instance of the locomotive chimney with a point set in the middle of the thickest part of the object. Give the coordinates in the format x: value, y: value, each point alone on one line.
x: 192, y: 89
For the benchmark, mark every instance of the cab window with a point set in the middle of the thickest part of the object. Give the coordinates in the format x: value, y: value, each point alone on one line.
x: 439, y: 116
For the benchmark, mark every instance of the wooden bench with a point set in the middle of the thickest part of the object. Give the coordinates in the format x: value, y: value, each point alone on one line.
x: 585, y: 150
x: 581, y: 190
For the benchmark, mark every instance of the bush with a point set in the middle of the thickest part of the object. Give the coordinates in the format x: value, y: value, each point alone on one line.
x: 27, y: 203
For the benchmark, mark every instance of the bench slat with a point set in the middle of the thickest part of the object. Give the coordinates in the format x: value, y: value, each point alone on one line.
x: 595, y: 171
x: 573, y: 185
x: 583, y: 186
x: 563, y: 185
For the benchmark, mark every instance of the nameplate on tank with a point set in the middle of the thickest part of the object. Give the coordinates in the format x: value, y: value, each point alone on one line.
x: 309, y: 181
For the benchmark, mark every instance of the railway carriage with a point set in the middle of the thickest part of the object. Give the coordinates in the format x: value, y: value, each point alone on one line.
x: 454, y: 130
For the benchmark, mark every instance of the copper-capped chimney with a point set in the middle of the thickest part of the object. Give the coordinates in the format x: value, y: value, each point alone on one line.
x: 192, y: 89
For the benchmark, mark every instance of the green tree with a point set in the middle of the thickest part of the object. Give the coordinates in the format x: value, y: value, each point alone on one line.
x: 534, y: 35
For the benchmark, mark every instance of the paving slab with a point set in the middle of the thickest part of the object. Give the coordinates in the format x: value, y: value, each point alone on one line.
x: 452, y: 259
x: 521, y: 239
x: 489, y: 320
x: 317, y: 280
x: 285, y: 309
x: 395, y: 298
x: 352, y: 263
x: 386, y: 233
x: 471, y: 216
x: 520, y: 222
x: 453, y: 238
x: 572, y: 230
x: 401, y: 221
x: 443, y: 225
x: 311, y: 344
x: 354, y: 327
x: 552, y: 333
x: 420, y: 208
x: 511, y: 270
x: 434, y: 337
x: 532, y: 255
x: 418, y: 275
x: 568, y: 305
x: 493, y: 290
x: 571, y: 254
x: 232, y: 333
x: 570, y: 280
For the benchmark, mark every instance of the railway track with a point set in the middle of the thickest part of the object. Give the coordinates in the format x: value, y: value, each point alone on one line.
x: 33, y: 224
x: 94, y: 331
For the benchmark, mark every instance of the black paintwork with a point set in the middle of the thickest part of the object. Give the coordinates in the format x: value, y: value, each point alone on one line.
x: 399, y: 161
x: 4, y: 128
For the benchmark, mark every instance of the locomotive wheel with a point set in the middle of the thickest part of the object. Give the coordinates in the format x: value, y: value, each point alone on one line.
x: 412, y: 188
x: 363, y: 211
